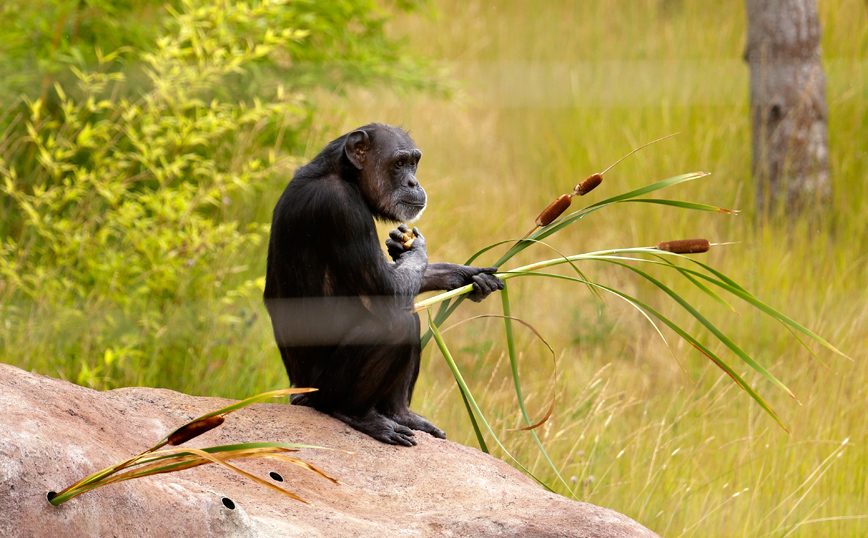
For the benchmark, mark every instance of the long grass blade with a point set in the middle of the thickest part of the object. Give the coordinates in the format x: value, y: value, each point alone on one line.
x: 721, y: 280
x: 543, y: 340
x: 256, y: 399
x: 741, y: 293
x: 634, y: 305
x: 245, y: 474
x: 180, y: 460
x: 686, y: 273
x: 438, y: 338
x: 681, y: 332
x: 710, y: 326
x: 685, y: 205
x: 513, y: 362
x: 705, y: 351
x: 479, y: 437
x: 731, y: 286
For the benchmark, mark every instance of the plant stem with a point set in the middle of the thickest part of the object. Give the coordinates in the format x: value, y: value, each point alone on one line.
x: 431, y: 301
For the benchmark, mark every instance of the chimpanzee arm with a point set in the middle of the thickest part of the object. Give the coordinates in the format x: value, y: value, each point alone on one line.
x: 448, y: 276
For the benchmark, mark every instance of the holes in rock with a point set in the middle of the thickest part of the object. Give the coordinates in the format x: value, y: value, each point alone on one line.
x: 777, y: 111
x: 227, y: 502
x: 276, y: 477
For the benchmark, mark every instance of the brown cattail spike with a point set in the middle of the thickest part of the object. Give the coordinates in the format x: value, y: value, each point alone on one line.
x: 553, y: 211
x: 408, y: 238
x: 589, y: 184
x: 195, y: 429
x: 685, y: 246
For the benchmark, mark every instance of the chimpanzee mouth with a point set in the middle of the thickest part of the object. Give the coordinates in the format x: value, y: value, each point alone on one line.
x: 412, y: 212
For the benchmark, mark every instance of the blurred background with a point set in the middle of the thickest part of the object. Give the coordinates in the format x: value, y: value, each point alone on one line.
x: 143, y: 145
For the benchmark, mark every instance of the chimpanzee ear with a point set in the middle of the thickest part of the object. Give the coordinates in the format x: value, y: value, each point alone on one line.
x: 356, y: 148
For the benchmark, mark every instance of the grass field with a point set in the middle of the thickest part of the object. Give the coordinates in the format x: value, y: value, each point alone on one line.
x: 553, y: 91
x: 547, y: 93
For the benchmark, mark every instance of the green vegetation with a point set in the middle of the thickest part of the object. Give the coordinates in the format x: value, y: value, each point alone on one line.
x: 552, y: 92
x: 137, y: 187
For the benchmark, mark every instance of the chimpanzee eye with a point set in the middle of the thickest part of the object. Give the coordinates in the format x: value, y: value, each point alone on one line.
x: 400, y: 164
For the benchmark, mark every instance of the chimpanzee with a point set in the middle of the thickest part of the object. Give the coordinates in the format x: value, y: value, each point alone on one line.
x: 341, y: 312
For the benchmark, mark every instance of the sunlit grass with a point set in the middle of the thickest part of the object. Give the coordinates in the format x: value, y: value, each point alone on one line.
x: 559, y: 90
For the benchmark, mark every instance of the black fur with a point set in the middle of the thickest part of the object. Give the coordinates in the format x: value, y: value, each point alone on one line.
x: 340, y: 311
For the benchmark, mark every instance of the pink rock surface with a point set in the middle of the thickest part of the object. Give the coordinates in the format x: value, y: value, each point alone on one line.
x: 53, y: 433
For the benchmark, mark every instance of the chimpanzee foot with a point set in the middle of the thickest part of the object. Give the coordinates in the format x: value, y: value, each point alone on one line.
x: 380, y: 428
x: 416, y: 422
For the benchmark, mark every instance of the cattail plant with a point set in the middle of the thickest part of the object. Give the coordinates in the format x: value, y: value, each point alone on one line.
x: 554, y: 210
x: 557, y: 208
x: 685, y: 246
x: 589, y: 184
x: 663, y: 255
x: 155, y: 461
x: 194, y: 429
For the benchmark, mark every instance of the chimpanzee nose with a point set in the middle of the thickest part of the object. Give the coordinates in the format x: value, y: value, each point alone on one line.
x: 411, y: 181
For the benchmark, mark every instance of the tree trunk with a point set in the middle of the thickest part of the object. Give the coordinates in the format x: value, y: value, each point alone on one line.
x: 789, y: 116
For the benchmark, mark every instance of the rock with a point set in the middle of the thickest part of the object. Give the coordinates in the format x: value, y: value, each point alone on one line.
x: 53, y: 433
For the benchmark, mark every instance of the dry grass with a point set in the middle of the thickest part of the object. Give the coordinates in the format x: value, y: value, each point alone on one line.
x: 555, y: 91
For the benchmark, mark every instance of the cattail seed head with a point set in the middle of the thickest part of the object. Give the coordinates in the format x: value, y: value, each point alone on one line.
x: 195, y: 429
x: 589, y: 184
x: 553, y: 211
x: 685, y: 246
x: 408, y: 238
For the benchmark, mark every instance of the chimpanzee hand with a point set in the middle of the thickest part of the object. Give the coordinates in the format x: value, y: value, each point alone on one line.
x: 395, y: 242
x: 448, y: 276
x: 484, y: 282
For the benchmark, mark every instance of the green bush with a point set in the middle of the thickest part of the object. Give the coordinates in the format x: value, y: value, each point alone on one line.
x: 121, y: 204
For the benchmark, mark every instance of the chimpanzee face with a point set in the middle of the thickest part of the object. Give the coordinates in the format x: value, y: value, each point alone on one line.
x: 387, y: 159
x: 408, y: 197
